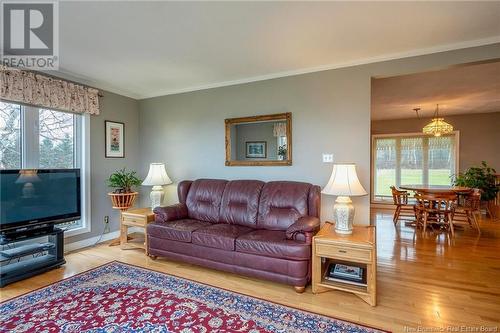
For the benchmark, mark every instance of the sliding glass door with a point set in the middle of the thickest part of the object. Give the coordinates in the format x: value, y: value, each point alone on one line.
x: 404, y: 159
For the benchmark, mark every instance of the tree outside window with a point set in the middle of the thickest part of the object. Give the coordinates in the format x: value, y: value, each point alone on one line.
x: 10, y: 136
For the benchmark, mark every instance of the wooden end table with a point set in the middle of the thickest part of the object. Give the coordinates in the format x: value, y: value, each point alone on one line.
x: 137, y: 217
x: 358, y: 249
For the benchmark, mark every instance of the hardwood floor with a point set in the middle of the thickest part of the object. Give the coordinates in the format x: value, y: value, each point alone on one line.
x: 422, y: 282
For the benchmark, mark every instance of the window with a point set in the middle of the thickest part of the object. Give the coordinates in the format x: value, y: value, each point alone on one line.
x: 411, y: 159
x: 56, y: 139
x: 31, y: 137
x: 10, y: 136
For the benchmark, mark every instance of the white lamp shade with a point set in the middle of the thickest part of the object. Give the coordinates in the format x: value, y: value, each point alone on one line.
x: 157, y: 175
x: 344, y: 182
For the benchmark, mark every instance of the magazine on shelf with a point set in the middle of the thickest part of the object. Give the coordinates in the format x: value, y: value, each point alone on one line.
x: 346, y: 273
x: 345, y: 281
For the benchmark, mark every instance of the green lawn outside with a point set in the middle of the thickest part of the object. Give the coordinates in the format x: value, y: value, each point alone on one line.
x: 386, y: 178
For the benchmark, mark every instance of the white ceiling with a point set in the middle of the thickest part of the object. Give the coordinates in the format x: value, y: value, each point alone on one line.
x: 146, y: 49
x: 466, y: 89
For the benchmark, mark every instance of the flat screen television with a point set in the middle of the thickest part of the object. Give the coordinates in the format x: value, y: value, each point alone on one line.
x: 31, y: 197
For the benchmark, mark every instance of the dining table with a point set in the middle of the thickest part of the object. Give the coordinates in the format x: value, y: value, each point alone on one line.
x: 436, y: 189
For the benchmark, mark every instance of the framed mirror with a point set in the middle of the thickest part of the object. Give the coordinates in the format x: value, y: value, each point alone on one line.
x: 259, y: 140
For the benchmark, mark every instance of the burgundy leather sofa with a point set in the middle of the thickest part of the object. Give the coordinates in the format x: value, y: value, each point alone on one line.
x: 248, y: 227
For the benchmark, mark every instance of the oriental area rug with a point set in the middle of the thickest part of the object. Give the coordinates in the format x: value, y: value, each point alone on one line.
x: 118, y: 297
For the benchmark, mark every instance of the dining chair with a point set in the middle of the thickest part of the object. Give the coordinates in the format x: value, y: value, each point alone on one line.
x: 437, y: 209
x: 468, y: 208
x: 403, y: 207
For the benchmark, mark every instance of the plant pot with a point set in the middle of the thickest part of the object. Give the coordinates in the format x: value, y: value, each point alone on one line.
x: 123, y: 201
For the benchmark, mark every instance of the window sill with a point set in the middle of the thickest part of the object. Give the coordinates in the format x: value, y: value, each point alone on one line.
x: 77, y: 231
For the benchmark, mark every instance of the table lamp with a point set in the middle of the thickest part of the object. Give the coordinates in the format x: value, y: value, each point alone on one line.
x: 157, y: 177
x: 344, y: 183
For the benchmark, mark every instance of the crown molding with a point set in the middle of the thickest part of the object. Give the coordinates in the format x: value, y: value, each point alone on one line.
x: 68, y: 75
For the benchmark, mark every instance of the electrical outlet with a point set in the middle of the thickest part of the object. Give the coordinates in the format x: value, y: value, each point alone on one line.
x: 106, y: 224
x: 327, y: 158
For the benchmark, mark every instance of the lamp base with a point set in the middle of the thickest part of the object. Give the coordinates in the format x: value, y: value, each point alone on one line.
x: 343, y: 214
x: 156, y: 196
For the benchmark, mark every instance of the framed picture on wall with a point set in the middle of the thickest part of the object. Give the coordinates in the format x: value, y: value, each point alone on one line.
x: 256, y: 149
x: 115, y: 139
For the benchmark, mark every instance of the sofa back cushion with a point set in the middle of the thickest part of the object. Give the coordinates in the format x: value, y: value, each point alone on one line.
x: 240, y: 202
x: 204, y: 198
x: 282, y: 203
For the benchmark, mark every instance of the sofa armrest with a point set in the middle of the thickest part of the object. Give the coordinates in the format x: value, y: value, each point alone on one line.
x: 171, y: 213
x: 303, y: 229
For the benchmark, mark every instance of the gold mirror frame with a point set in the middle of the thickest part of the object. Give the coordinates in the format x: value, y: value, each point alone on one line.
x: 279, y: 116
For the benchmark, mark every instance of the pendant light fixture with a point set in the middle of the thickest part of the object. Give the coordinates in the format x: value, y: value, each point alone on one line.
x: 437, y: 126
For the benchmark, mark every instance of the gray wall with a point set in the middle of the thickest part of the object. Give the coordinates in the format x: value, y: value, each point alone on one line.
x: 330, y: 111
x: 117, y: 108
x: 479, y: 135
x: 256, y: 132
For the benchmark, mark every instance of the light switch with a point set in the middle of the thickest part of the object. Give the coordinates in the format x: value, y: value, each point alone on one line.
x: 327, y: 158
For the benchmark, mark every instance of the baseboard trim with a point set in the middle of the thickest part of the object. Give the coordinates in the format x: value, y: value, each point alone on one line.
x: 70, y: 247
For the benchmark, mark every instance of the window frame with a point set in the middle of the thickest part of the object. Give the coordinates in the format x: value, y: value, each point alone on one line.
x: 374, y: 137
x: 82, y: 160
x: 29, y: 146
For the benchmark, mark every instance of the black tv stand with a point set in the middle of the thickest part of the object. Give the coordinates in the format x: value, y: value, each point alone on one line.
x: 15, y: 235
x: 30, y: 252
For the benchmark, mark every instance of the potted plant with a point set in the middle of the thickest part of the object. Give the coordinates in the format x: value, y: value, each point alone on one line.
x: 282, y: 152
x: 482, y: 177
x: 123, y: 181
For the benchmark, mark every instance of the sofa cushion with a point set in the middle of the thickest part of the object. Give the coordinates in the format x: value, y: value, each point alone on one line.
x: 204, y: 198
x: 178, y: 230
x: 240, y: 202
x: 282, y: 203
x: 272, y: 243
x: 220, y: 236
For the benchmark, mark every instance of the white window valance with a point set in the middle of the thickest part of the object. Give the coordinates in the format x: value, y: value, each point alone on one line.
x: 44, y: 91
x: 279, y: 129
